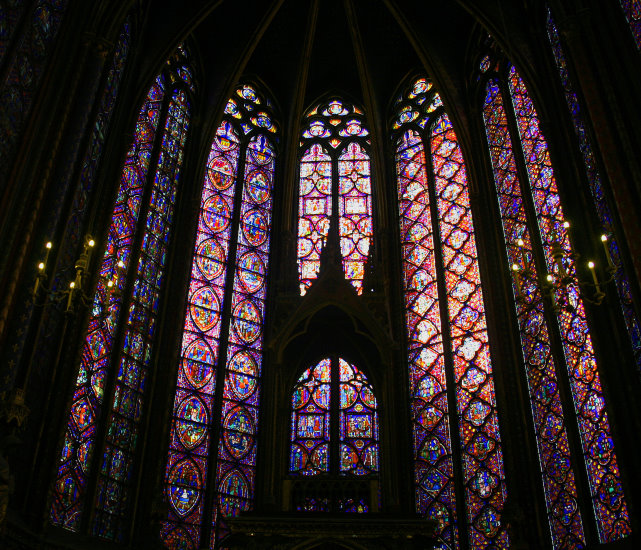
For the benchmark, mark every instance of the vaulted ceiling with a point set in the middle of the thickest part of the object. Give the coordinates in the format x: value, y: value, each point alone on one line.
x: 301, y: 49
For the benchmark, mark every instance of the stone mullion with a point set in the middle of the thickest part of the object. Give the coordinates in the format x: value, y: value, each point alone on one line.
x: 462, y: 521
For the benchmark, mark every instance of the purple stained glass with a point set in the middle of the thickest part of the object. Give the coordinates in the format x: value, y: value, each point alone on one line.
x: 310, y: 424
x: 236, y: 461
x: 70, y: 486
x: 314, y: 211
x: 192, y: 446
x: 194, y: 400
x: 135, y: 359
x: 551, y: 434
x: 357, y: 421
x: 609, y: 504
x: 430, y: 410
x: 476, y: 402
x: 354, y: 211
x: 334, y: 140
x: 596, y: 187
x: 632, y: 11
x: 314, y: 420
x: 435, y: 215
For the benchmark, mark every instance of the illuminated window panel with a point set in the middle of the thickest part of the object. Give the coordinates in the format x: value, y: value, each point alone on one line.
x: 212, y: 449
x: 608, y: 501
x: 632, y: 11
x: 596, y: 186
x: 127, y: 406
x: 334, y: 175
x: 309, y: 449
x: 357, y: 422
x: 551, y: 434
x: 439, y: 251
x: 86, y: 409
x: 354, y: 211
x: 186, y: 472
x: 476, y: 402
x: 333, y: 397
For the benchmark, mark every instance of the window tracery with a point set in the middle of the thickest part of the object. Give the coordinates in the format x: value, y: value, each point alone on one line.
x: 604, y: 211
x: 334, y: 177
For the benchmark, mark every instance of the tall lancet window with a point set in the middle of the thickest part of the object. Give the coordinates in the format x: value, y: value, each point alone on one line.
x: 212, y: 451
x: 450, y: 368
x: 538, y: 249
x: 334, y: 178
x: 109, y: 396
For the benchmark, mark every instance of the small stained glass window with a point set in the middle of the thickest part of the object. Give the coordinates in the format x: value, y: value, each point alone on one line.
x: 334, y: 421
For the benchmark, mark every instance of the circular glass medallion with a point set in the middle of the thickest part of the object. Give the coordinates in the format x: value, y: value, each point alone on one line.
x: 215, y: 213
x: 210, y: 258
x: 260, y: 150
x: 192, y: 409
x: 251, y: 271
x: 243, y: 373
x: 247, y: 321
x: 226, y: 138
x: 190, y: 435
x: 205, y: 308
x: 239, y: 432
x: 221, y: 173
x: 255, y: 227
x: 198, y: 361
x: 234, y: 484
x: 258, y: 186
x: 184, y: 487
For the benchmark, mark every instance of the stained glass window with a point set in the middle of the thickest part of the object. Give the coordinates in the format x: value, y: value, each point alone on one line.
x: 26, y: 65
x: 538, y: 249
x: 632, y: 11
x: 334, y: 177
x: 355, y: 415
x: 124, y: 310
x: 448, y: 342
x: 596, y: 187
x: 74, y: 222
x: 212, y: 451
